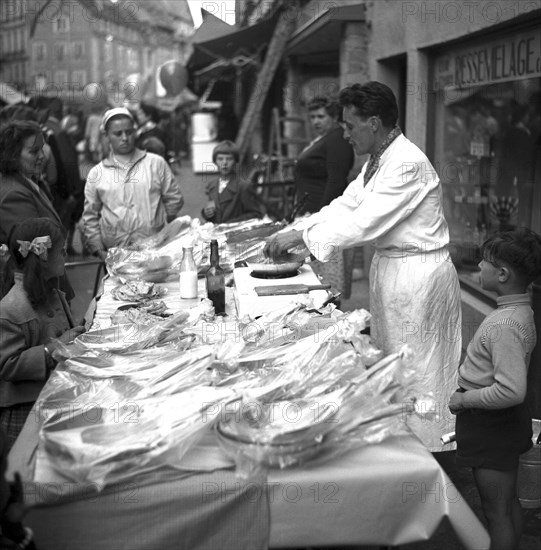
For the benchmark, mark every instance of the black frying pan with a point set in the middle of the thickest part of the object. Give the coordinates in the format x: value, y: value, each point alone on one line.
x: 275, y: 269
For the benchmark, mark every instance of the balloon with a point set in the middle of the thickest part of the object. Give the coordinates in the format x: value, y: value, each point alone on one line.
x: 173, y: 77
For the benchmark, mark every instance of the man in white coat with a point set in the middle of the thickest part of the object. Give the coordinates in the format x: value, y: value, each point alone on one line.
x: 396, y: 204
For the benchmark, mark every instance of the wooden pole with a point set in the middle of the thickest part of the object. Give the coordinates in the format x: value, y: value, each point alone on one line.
x: 284, y: 27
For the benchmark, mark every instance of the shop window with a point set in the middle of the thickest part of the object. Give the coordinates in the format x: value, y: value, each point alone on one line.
x: 78, y: 50
x: 39, y: 50
x: 60, y: 51
x: 488, y: 156
x: 60, y: 78
x: 487, y: 140
x: 79, y: 78
x: 61, y: 24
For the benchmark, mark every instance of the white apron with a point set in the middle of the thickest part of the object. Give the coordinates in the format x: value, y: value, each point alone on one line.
x: 415, y: 300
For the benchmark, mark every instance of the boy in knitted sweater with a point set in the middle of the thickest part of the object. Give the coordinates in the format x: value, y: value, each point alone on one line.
x: 493, y: 425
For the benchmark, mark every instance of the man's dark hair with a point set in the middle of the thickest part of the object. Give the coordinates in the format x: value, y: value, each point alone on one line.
x: 371, y: 99
x: 520, y: 249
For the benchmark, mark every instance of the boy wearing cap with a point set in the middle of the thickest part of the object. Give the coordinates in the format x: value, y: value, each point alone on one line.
x: 131, y: 194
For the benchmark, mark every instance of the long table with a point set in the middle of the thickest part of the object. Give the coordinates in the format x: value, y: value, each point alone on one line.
x: 392, y: 493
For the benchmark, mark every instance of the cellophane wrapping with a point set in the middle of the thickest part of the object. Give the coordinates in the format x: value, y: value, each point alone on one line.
x: 157, y: 258
x: 294, y: 385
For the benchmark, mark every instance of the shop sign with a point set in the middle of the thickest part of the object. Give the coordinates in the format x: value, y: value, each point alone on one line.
x: 514, y: 57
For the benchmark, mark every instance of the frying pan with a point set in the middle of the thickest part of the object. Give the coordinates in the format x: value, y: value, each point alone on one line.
x: 286, y: 265
x: 275, y: 268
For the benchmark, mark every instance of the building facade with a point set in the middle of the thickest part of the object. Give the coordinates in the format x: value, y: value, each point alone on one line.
x: 89, y: 47
x: 14, y: 55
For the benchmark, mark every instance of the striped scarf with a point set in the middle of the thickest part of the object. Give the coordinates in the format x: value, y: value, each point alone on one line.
x: 373, y: 161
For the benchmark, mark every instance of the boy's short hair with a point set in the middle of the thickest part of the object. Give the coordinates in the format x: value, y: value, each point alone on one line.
x: 519, y: 249
x: 226, y: 147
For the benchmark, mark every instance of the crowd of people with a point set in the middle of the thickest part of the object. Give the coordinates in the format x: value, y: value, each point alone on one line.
x: 126, y: 190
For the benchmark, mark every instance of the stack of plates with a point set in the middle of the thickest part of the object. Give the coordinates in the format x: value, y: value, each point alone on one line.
x: 283, y: 433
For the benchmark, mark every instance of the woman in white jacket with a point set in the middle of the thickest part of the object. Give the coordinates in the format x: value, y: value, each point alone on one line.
x: 396, y: 204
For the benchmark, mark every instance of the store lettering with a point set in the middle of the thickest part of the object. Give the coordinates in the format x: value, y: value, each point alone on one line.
x: 499, y: 62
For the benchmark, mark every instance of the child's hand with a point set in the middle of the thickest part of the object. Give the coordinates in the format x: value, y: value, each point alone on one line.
x: 210, y: 209
x: 15, y: 509
x: 67, y: 337
x: 456, y: 402
x: 71, y: 334
x: 52, y: 348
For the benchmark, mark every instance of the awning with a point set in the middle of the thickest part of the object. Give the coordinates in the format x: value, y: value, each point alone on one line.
x: 212, y: 27
x: 323, y: 33
x: 232, y: 49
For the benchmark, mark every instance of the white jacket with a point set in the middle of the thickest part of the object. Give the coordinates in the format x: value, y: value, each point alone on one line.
x: 121, y: 209
x: 399, y: 209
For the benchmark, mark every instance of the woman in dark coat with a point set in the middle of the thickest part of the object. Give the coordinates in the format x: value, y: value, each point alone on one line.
x: 321, y: 175
x: 323, y: 166
x: 23, y: 193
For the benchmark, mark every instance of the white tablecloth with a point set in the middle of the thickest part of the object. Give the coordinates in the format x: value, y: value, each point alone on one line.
x: 392, y: 493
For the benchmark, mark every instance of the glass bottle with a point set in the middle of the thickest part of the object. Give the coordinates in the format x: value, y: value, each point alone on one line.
x: 188, y: 275
x: 215, y: 280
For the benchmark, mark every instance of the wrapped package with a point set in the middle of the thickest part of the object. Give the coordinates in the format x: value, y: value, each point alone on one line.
x: 156, y: 258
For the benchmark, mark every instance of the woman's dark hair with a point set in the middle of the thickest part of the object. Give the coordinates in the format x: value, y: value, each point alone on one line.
x: 371, y: 99
x: 329, y: 104
x: 520, y: 249
x: 18, y: 112
x: 33, y: 281
x: 12, y: 136
x: 226, y: 147
x: 152, y: 112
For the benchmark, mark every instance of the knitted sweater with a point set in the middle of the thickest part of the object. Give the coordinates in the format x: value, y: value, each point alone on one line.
x: 495, y: 369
